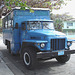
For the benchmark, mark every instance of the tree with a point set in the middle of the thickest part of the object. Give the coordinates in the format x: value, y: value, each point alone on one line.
x: 58, y: 24
x: 59, y: 19
x: 64, y: 16
x: 1, y: 7
x: 52, y: 4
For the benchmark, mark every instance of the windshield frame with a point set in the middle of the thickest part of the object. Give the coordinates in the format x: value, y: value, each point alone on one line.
x: 48, y: 27
x: 41, y: 25
x: 34, y: 21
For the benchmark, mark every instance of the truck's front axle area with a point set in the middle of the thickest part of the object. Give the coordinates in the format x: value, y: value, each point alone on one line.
x: 54, y: 54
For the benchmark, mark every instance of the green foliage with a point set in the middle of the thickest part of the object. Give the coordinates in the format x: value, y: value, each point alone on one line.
x: 31, y: 10
x: 7, y: 4
x: 9, y: 7
x: 64, y: 17
x: 59, y: 19
x: 55, y: 4
x: 17, y: 3
x: 58, y: 24
x: 7, y: 0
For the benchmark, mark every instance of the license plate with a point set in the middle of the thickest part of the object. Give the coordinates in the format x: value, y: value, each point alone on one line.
x: 60, y: 53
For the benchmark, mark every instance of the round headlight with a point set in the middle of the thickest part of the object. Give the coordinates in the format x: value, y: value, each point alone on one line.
x: 42, y: 45
x: 68, y: 43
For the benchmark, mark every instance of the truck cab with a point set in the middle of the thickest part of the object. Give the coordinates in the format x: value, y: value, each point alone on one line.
x: 33, y: 36
x: 44, y: 34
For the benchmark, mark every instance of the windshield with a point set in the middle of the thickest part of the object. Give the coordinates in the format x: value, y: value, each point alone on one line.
x: 48, y: 25
x: 34, y: 25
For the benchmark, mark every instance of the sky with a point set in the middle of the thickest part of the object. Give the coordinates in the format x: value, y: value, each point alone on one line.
x: 69, y: 9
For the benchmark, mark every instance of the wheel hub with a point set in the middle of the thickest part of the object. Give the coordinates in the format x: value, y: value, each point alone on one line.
x: 26, y: 58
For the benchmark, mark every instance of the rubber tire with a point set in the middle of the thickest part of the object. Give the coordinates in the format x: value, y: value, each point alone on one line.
x: 8, y: 47
x: 32, y: 54
x: 63, y: 59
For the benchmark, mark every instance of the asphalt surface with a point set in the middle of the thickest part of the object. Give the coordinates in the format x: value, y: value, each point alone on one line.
x: 48, y: 67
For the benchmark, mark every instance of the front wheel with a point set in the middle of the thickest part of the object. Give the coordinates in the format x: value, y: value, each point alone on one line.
x: 29, y: 57
x: 63, y: 59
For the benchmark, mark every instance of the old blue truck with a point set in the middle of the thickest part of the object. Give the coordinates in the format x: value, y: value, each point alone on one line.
x: 33, y: 36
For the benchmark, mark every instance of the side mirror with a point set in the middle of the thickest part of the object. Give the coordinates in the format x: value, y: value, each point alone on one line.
x: 16, y: 26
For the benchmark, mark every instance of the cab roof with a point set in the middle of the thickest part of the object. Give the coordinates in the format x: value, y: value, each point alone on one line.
x: 17, y: 8
x: 44, y: 20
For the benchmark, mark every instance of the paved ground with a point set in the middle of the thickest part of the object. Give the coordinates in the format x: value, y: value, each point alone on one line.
x: 49, y: 67
x: 4, y: 70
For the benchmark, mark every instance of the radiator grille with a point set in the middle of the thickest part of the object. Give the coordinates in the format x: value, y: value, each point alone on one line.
x: 57, y: 44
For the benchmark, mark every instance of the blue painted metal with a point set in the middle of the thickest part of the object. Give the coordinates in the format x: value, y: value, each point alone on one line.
x: 35, y: 41
x: 60, y: 53
x: 71, y: 40
x: 38, y: 36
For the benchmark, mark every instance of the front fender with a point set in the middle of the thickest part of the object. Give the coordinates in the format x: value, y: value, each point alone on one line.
x: 71, y: 41
x: 34, y: 43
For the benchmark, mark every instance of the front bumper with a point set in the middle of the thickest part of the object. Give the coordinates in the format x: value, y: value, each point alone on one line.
x: 53, y: 54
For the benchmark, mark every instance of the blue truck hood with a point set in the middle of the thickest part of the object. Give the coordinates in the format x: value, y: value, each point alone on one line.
x: 45, y: 32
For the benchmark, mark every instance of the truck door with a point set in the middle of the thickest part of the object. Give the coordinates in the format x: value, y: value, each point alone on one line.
x: 23, y: 30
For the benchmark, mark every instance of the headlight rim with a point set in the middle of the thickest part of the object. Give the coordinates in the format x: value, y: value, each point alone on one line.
x: 42, y: 45
x: 69, y: 43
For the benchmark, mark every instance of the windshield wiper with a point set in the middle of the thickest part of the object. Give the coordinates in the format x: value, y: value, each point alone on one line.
x: 48, y: 28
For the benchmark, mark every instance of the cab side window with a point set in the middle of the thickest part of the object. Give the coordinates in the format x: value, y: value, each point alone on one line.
x: 11, y: 22
x: 23, y: 26
x: 8, y: 22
